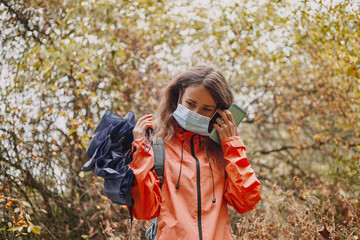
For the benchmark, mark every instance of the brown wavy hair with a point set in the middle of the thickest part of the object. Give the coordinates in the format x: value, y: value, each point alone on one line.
x: 214, y: 81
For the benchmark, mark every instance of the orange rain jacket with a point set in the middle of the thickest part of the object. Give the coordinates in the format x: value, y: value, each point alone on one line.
x: 188, y: 212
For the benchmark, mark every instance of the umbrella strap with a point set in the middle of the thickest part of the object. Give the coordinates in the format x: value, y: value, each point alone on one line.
x: 148, y: 138
x: 131, y: 220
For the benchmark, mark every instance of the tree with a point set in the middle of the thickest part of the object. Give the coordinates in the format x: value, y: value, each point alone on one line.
x: 79, y: 58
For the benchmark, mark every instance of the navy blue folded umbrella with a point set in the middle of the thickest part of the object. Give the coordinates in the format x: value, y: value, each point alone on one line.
x: 110, y: 155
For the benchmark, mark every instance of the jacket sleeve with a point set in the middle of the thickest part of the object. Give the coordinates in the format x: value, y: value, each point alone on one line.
x: 242, y: 188
x: 146, y: 187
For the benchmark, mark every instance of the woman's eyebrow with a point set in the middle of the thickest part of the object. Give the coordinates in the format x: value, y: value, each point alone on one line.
x: 189, y: 99
x: 205, y: 105
x: 211, y: 106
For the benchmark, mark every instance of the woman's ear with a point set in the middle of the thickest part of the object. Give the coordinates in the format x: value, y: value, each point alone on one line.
x: 180, y: 95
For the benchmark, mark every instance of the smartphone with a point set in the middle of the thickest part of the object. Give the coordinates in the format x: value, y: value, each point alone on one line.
x: 238, y: 115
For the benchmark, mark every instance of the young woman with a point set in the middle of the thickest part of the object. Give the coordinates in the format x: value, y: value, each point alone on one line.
x: 200, y: 177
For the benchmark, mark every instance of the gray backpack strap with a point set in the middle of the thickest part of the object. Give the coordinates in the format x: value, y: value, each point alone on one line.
x: 159, y: 157
x: 151, y: 231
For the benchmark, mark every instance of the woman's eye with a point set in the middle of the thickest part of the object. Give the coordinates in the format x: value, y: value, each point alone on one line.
x: 191, y: 104
x: 207, y: 110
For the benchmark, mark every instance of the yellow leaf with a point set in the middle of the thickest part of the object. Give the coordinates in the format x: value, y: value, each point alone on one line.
x: 54, y: 86
x: 26, y: 204
x: 73, y: 130
x: 36, y: 230
x: 83, y: 64
x: 43, y: 210
x: 92, y: 95
x: 14, y: 108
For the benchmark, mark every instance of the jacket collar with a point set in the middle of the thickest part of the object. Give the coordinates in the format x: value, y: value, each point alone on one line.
x: 185, y: 135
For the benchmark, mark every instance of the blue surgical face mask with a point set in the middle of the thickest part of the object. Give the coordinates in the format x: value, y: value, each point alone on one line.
x: 191, y: 121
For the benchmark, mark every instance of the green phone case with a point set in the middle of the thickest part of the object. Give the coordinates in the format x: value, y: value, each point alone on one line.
x: 238, y: 115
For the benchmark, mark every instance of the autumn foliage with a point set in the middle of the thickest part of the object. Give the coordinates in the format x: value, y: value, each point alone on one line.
x: 293, y: 65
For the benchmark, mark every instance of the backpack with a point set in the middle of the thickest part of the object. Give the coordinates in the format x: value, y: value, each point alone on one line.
x: 159, y: 159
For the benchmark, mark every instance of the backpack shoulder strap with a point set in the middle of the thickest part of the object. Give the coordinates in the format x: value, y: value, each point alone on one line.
x: 159, y: 157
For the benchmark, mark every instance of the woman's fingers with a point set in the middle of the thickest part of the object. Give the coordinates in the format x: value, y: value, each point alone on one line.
x: 220, y: 130
x: 145, y: 121
x: 230, y: 116
x: 147, y: 124
x: 227, y: 116
x: 226, y: 126
x: 142, y: 124
x: 145, y: 117
x: 219, y: 121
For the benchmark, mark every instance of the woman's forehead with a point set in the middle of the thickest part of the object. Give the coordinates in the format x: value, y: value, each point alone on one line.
x: 199, y: 94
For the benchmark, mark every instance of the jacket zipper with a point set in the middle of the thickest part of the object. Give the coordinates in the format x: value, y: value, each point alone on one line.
x: 198, y: 184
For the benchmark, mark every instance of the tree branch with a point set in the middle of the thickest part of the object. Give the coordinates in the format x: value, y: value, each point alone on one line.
x: 24, y: 21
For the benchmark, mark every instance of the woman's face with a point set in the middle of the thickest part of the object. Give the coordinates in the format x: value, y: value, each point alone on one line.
x: 198, y: 99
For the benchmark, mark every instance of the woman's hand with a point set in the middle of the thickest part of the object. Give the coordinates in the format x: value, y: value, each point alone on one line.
x: 226, y: 127
x: 142, y: 124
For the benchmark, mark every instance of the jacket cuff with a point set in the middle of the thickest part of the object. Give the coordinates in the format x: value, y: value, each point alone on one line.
x: 234, y: 151
x: 234, y: 142
x: 138, y: 142
x: 142, y: 161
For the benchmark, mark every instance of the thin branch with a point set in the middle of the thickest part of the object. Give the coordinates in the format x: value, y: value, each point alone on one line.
x: 24, y: 21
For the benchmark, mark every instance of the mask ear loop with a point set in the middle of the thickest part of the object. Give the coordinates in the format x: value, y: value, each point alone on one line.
x: 148, y: 138
x: 214, y: 113
x: 180, y: 93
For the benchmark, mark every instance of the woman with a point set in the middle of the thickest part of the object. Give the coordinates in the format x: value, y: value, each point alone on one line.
x: 200, y: 176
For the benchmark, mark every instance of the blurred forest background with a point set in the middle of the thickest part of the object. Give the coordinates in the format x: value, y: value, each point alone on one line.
x: 293, y: 65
